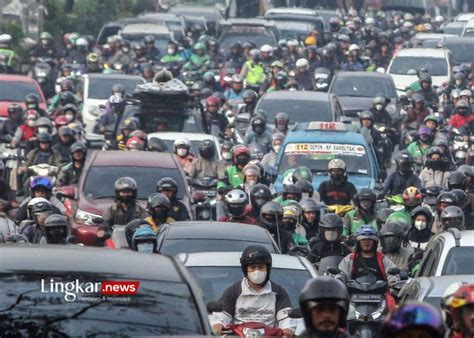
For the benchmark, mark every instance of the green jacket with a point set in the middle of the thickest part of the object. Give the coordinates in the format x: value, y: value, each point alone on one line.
x: 196, y: 62
x: 11, y: 56
x: 353, y: 220
x: 234, y: 176
x: 168, y: 58
x: 299, y: 239
x: 417, y: 150
x: 400, y: 216
x: 255, y: 74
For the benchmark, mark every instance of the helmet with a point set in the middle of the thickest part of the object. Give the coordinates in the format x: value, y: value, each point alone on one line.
x: 126, y: 184
x: 65, y: 131
x: 258, y: 124
x: 134, y: 143
x: 452, y: 217
x: 157, y: 144
x: 237, y: 78
x: 236, y: 201
x: 44, y: 122
x: 366, y: 232
x: 118, y: 88
x: 445, y: 199
x: 55, y: 229
x: 78, y: 146
x: 292, y: 43
x: 46, y: 36
x: 413, y: 315
x: 14, y: 108
x: 249, y: 96
x: 306, y: 187
x: 366, y: 115
x: 302, y: 173
x: 281, y: 121
x: 38, y: 205
x: 456, y: 180
x: 266, y: 49
x: 149, y: 39
x: 291, y: 217
x: 365, y: 194
x: 379, y: 100
x: 391, y: 236
x: 404, y: 162
x: 330, y: 227
x: 199, y: 46
x: 259, y: 195
x: 256, y: 254
x: 167, y: 184
x: 461, y: 297
x: 92, y: 58
x: 417, y: 98
x: 207, y: 149
x: 425, y: 77
x: 32, y: 101
x: 144, y: 239
x: 412, y: 197
x: 158, y: 206
x: 434, y: 151
x: 292, y: 192
x: 129, y: 124
x: 182, y: 143
x: 336, y: 164
x: 271, y: 214
x: 257, y: 151
x: 41, y: 181
x: 213, y: 101
x: 467, y: 170
x: 66, y: 97
x: 309, y: 205
x: 302, y: 63
x: 324, y: 289
x: 241, y: 155
x: 140, y: 134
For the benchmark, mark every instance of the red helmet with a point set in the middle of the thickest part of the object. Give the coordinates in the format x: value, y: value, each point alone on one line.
x: 134, y: 143
x: 213, y: 101
x: 140, y: 134
x: 60, y: 121
x: 462, y: 297
x: 241, y: 155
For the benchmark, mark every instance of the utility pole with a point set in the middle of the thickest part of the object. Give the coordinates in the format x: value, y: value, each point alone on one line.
x: 2, y: 5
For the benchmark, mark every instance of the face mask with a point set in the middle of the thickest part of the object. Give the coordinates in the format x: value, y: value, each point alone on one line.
x: 31, y: 123
x: 277, y: 148
x: 125, y: 50
x: 257, y: 277
x: 337, y: 178
x: 251, y: 183
x: 258, y: 129
x: 378, y: 106
x: 281, y: 127
x: 420, y: 225
x: 181, y: 152
x: 170, y: 50
x: 459, y: 82
x: 424, y: 137
x: 330, y: 235
x: 226, y: 155
x: 366, y: 205
x: 69, y: 117
x: 145, y: 247
x: 42, y: 130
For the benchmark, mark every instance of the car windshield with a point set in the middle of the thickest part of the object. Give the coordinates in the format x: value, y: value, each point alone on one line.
x: 298, y: 110
x: 288, y: 30
x: 101, y: 88
x: 29, y: 303
x: 161, y: 41
x: 173, y: 247
x: 317, y: 156
x: 462, y: 51
x: 459, y: 261
x: 468, y: 32
x: 213, y: 280
x: 259, y: 36
x: 402, y: 64
x: 453, y: 29
x: 16, y: 91
x: 100, y: 180
x: 363, y: 87
x: 106, y: 32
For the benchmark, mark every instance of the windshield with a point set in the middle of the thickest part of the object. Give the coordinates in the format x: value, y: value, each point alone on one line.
x: 288, y: 30
x: 101, y: 88
x: 260, y: 37
x: 161, y: 41
x: 317, y: 156
x: 452, y: 29
x: 106, y: 32
x: 153, y: 122
x: 159, y: 308
x: 459, y: 261
x: 298, y: 110
x: 173, y: 247
x: 402, y: 64
x: 100, y: 180
x: 462, y: 52
x: 363, y: 87
x: 16, y: 91
x: 213, y: 280
x: 468, y: 32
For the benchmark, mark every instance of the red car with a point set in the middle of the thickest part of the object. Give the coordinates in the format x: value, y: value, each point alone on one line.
x: 96, y: 192
x: 14, y: 88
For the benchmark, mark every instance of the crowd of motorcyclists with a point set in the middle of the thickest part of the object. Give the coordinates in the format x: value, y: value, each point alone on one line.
x: 370, y: 231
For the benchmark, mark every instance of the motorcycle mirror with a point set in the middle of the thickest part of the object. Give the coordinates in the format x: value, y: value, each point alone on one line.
x: 382, y: 175
x: 345, y: 119
x: 243, y: 118
x: 214, y: 306
x: 295, y: 313
x: 333, y: 270
x: 404, y: 275
x: 393, y: 271
x: 66, y: 192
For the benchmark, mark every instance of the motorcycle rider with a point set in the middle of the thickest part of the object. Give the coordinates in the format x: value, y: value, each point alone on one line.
x: 172, y: 58
x: 258, y: 132
x: 328, y: 241
x: 378, y: 109
x: 55, y: 229
x: 282, y: 122
x: 401, y: 178
x: 128, y: 126
x: 64, y: 143
x: 45, y: 49
x: 462, y: 116
x: 125, y: 55
x: 324, y: 303
x: 168, y: 187
x: 44, y: 153
x: 304, y: 77
x: 364, y: 212
x: 417, y: 112
x: 436, y: 170
x: 204, y: 164
x: 418, y: 149
x: 226, y: 153
x: 337, y: 190
x: 392, y: 242
x: 236, y: 204
x: 452, y: 217
x: 152, y: 53
x: 144, y: 240
x: 234, y: 176
x: 253, y: 71
x: 11, y: 124
x: 310, y: 217
x: 26, y: 132
x: 236, y: 57
x: 255, y: 297
x: 199, y: 59
x: 250, y: 98
x: 213, y: 118
x: 460, y: 306
x: 32, y: 102
x: 290, y: 193
x: 259, y: 195
x: 38, y: 210
x: 92, y: 64
x: 271, y: 218
x: 71, y: 172
x: 236, y: 91
x: 421, y: 227
x: 269, y: 159
x: 290, y: 223
x: 182, y: 148
x: 426, y: 89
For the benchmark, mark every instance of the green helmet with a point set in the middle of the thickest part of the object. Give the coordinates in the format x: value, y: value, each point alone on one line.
x: 199, y: 45
x: 46, y: 36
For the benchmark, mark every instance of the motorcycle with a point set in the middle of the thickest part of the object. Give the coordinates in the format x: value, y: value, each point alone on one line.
x: 339, y: 209
x: 43, y: 70
x: 322, y: 77
x: 384, y: 149
x: 251, y: 329
x: 461, y: 148
x: 12, y: 158
x: 204, y: 196
x: 328, y: 264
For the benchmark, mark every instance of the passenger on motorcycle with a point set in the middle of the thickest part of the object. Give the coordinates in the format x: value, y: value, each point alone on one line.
x: 12, y: 123
x: 65, y: 141
x: 417, y: 112
x: 282, y: 122
x: 290, y: 193
x: 43, y: 153
x: 364, y: 212
x: 38, y: 210
x: 236, y: 57
x: 144, y: 240
x: 393, y: 245
x: 252, y: 176
x: 127, y: 127
x: 227, y: 153
x: 236, y: 204
x: 452, y: 217
x: 337, y: 190
x: 204, y: 165
x: 269, y: 159
x: 426, y: 89
x: 462, y: 116
x: 403, y: 177
x: 436, y: 170
x: 310, y: 217
x: 45, y: 48
x: 460, y: 307
x: 258, y: 131
x: 168, y: 187
x: 55, y: 229
x: 182, y: 148
x: 234, y: 176
x: 32, y: 102
x: 290, y: 223
x: 271, y: 218
x: 304, y: 77
x: 255, y: 298
x: 250, y: 98
x: 324, y: 303
x: 26, y: 131
x: 71, y: 172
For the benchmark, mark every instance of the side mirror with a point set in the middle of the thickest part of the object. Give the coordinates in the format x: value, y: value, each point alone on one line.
x: 108, y: 135
x: 295, y: 313
x: 404, y: 275
x: 214, y: 306
x: 333, y: 271
x: 382, y: 175
x: 243, y: 118
x: 393, y: 271
x: 66, y: 192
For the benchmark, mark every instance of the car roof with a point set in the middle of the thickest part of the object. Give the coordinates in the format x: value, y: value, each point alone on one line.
x: 467, y: 238
x: 247, y: 22
x: 133, y: 158
x: 432, y: 36
x: 166, y: 17
x: 17, y: 258
x: 303, y: 135
x: 423, y: 52
x: 15, y: 78
x: 363, y: 74
x: 464, y: 17
x: 213, y: 230
x: 169, y: 135
x: 459, y: 39
x: 296, y: 95
x: 148, y: 28
x: 291, y: 10
x: 279, y: 261
x: 119, y: 77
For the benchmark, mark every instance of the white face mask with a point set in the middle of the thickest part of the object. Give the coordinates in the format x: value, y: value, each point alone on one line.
x: 69, y: 117
x: 277, y: 148
x: 170, y: 51
x: 251, y: 183
x: 42, y: 130
x: 145, y: 247
x: 459, y: 82
x: 330, y: 235
x: 31, y: 123
x: 226, y: 155
x: 257, y: 277
x: 420, y: 225
x: 181, y: 152
x: 378, y: 106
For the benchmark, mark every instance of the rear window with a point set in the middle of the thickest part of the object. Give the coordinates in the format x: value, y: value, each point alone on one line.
x: 363, y: 87
x: 100, y: 180
x: 459, y: 261
x: 468, y: 32
x: 173, y: 247
x: 462, y: 51
x: 100, y: 88
x: 297, y: 110
x: 16, y: 91
x: 106, y: 32
x: 436, y: 66
x: 29, y: 303
x: 259, y: 36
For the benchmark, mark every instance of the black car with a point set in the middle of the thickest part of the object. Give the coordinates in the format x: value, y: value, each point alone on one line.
x: 190, y: 237
x: 81, y: 291
x: 296, y: 15
x: 461, y: 47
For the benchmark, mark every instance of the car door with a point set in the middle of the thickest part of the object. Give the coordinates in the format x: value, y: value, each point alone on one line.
x: 431, y: 259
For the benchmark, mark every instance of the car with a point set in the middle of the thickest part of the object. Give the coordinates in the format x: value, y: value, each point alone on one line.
x: 356, y: 90
x: 449, y: 253
x: 71, y: 290
x: 464, y: 17
x: 430, y: 40
x: 175, y: 23
x: 454, y: 28
x: 468, y: 29
x: 195, y: 138
x: 288, y: 30
x: 216, y: 271
x: 263, y: 32
x: 314, y: 144
x: 136, y: 32
x: 430, y: 289
x: 418, y: 6
x: 197, y: 14
x: 461, y: 48
x: 405, y: 63
x: 96, y: 186
x: 95, y: 89
x: 14, y: 88
x: 199, y: 236
x: 298, y: 16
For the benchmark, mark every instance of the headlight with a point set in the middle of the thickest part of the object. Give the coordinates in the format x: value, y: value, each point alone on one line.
x: 83, y: 217
x: 379, y: 312
x: 40, y: 73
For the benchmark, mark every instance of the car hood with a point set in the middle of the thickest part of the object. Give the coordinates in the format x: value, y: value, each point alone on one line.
x: 358, y: 180
x: 4, y: 107
x: 355, y: 104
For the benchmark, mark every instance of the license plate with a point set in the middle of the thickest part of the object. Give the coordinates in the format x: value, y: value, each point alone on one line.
x: 362, y: 297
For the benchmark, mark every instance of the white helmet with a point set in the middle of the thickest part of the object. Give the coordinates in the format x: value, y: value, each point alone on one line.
x: 183, y: 142
x: 5, y: 38
x: 369, y: 21
x: 115, y: 99
x: 336, y: 164
x: 82, y: 42
x: 266, y: 49
x: 408, y: 24
x: 438, y: 19
x: 354, y: 47
x: 292, y: 43
x: 302, y: 63
x: 465, y: 92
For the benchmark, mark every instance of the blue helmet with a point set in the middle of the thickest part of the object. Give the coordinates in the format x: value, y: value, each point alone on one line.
x: 367, y: 232
x: 144, y: 239
x: 41, y: 181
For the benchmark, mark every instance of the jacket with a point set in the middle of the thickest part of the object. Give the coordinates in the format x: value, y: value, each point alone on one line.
x: 354, y: 219
x: 200, y: 167
x: 401, y: 257
x: 117, y: 214
x: 430, y: 177
x: 396, y: 183
x: 54, y: 158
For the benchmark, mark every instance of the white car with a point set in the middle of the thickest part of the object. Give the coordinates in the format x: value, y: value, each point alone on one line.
x: 195, y: 138
x: 405, y: 64
x: 215, y: 271
x: 96, y: 89
x: 468, y: 28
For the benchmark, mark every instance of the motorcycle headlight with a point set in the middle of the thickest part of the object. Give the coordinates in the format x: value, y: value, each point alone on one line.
x: 40, y: 73
x: 380, y: 311
x: 87, y: 218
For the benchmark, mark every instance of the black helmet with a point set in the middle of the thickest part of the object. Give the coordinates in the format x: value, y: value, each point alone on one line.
x: 257, y: 151
x: 330, y: 227
x: 425, y: 77
x: 379, y: 100
x: 271, y: 214
x: 66, y: 97
x: 149, y: 39
x: 467, y: 170
x: 207, y: 149
x: 32, y: 101
x: 55, y: 229
x: 404, y: 162
x: 259, y: 124
x: 44, y: 137
x: 382, y: 216
x: 167, y: 184
x: 292, y: 192
x: 417, y: 98
x: 14, y: 108
x: 452, y: 217
x: 256, y: 254
x: 366, y: 115
x: 259, y: 195
x: 365, y: 194
x: 249, y: 96
x: 125, y: 184
x: 456, y: 180
x: 302, y: 173
x: 78, y: 146
x: 308, y: 204
x: 158, y: 206
x: 324, y: 289
x: 157, y: 144
x: 462, y: 199
x: 306, y: 188
x: 391, y: 236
